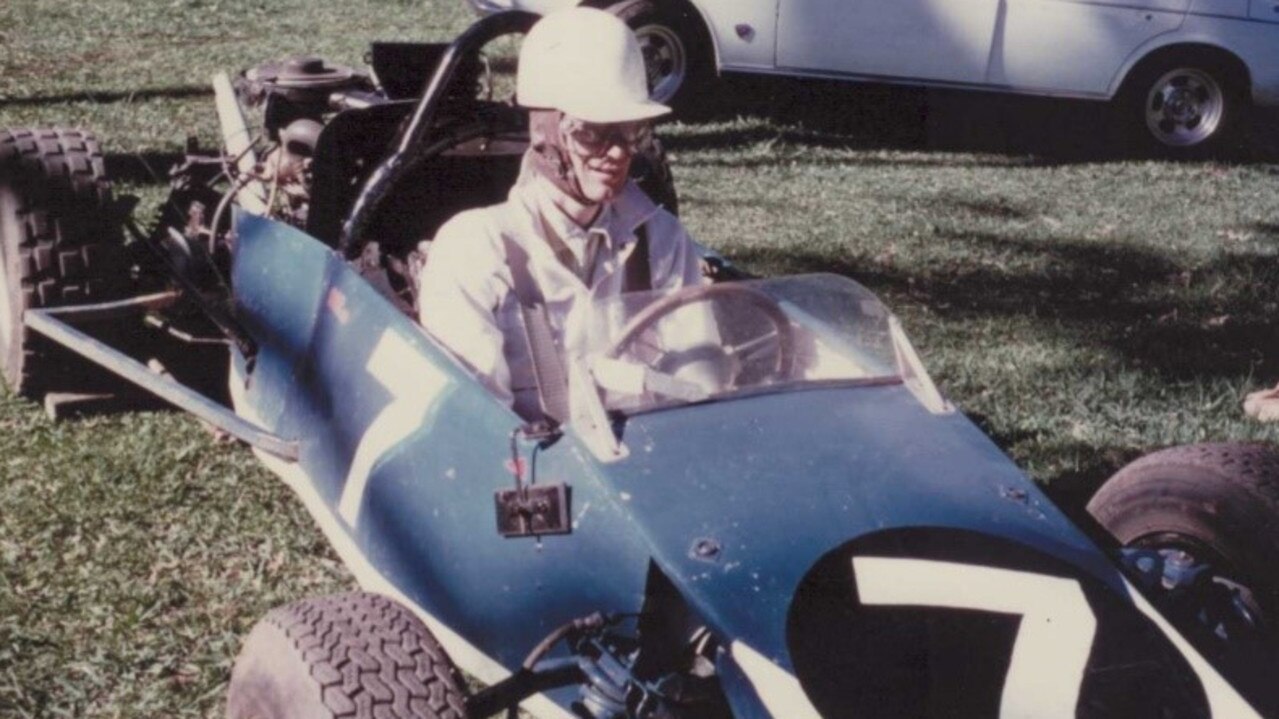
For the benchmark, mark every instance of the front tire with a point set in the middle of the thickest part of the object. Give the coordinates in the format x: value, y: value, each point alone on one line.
x: 1184, y: 105
x: 356, y: 655
x: 1206, y: 517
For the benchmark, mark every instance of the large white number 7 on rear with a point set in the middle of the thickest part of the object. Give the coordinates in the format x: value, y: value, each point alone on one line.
x: 414, y: 383
x: 1051, y: 651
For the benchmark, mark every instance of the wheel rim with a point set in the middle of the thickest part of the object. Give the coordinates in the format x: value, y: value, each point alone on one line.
x: 1185, y: 107
x: 665, y: 60
x: 1238, y: 618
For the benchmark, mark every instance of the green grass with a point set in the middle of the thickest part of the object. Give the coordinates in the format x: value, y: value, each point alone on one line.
x: 1082, y: 309
x: 135, y: 554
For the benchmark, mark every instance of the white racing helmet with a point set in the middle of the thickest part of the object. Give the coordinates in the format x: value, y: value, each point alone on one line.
x: 587, y: 64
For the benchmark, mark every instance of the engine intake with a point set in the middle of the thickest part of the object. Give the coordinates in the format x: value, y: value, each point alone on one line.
x: 296, y: 88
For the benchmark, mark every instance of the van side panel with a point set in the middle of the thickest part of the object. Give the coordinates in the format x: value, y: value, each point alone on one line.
x: 752, y: 50
x: 1068, y: 47
x: 1255, y: 43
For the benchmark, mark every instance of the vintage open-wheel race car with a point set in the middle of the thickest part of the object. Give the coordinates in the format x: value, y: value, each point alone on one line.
x: 753, y: 502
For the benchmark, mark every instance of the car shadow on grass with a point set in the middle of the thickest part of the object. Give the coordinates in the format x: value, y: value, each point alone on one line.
x: 1035, y: 130
x: 106, y: 96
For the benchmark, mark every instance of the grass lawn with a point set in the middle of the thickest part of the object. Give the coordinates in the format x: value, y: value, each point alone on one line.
x: 1082, y: 308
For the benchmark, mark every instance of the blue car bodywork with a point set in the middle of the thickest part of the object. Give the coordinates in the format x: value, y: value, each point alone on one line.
x: 753, y: 509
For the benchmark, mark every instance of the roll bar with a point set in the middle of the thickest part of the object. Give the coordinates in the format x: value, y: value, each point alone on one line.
x: 410, y: 145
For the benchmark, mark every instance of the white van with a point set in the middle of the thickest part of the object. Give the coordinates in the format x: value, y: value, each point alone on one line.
x: 1182, y: 73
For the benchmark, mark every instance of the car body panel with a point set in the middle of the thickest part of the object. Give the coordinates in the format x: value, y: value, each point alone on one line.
x: 1255, y: 43
x: 402, y: 451
x: 1220, y: 8
x: 756, y: 46
x: 925, y: 40
x: 1264, y: 10
x: 1023, y: 59
x: 746, y: 589
x: 437, y: 466
x: 1259, y: 10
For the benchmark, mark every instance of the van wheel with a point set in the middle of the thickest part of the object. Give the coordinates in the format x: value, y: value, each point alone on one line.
x: 1184, y: 105
x: 677, y: 52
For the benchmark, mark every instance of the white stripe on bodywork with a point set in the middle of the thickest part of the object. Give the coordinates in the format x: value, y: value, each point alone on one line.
x: 1054, y: 638
x: 414, y: 383
x: 1224, y: 701
x: 465, y: 655
x: 780, y: 691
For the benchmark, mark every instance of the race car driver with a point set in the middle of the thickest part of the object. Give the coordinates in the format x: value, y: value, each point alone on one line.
x: 574, y: 229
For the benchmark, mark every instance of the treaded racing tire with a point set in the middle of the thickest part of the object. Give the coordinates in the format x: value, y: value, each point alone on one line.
x: 346, y: 655
x: 59, y: 244
x: 1223, y: 497
x: 1217, y: 504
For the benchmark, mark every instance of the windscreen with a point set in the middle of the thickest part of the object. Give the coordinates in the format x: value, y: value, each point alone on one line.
x: 654, y: 349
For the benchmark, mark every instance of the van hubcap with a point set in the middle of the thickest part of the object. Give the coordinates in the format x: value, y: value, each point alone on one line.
x: 665, y: 60
x: 1184, y: 107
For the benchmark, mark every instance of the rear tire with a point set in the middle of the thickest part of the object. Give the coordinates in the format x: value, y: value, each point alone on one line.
x: 347, y: 655
x: 60, y: 244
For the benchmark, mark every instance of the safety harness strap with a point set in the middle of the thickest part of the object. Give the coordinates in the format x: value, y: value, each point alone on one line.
x: 639, y: 275
x: 548, y: 364
x: 547, y: 359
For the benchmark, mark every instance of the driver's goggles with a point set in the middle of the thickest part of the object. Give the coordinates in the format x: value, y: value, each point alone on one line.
x: 596, y: 139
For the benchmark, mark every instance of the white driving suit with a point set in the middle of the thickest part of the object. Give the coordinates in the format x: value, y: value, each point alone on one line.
x: 468, y: 298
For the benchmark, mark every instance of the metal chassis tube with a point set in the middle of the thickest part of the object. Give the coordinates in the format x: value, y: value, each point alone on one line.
x: 508, y: 693
x: 54, y: 323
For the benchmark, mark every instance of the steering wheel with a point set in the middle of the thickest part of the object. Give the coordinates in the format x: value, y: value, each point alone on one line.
x: 784, y: 354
